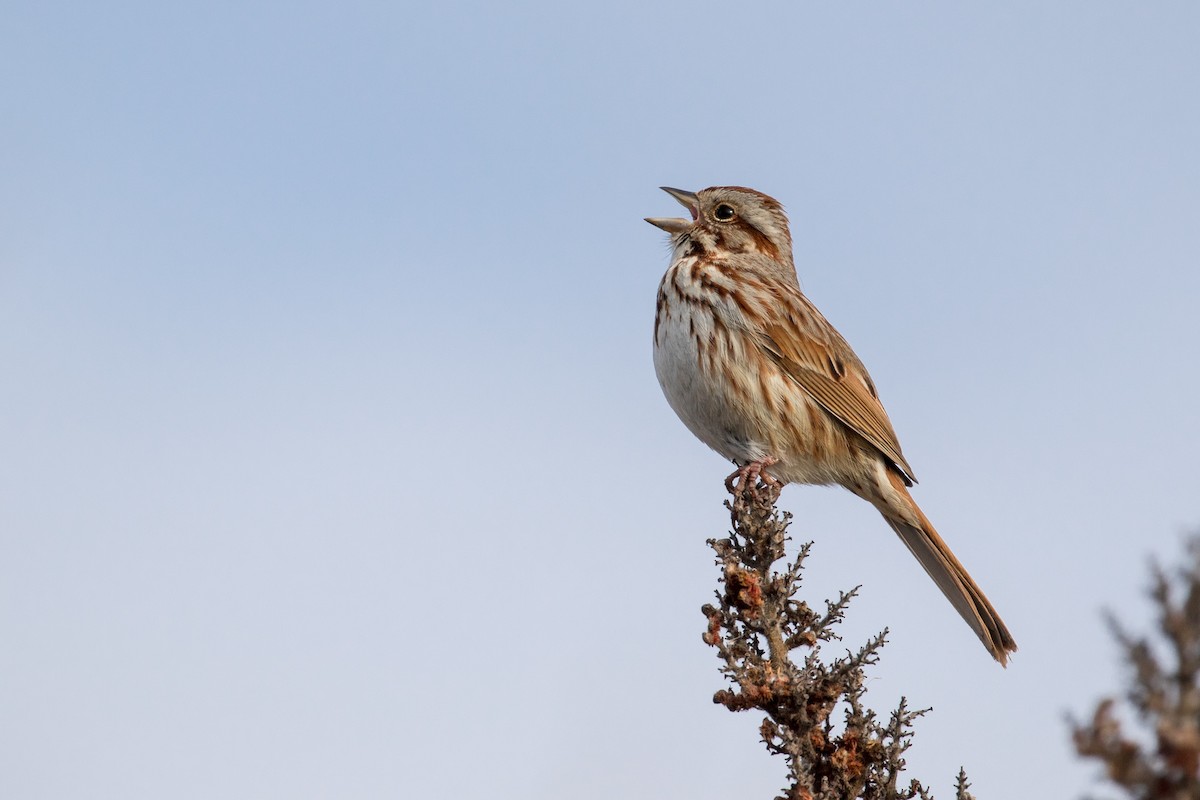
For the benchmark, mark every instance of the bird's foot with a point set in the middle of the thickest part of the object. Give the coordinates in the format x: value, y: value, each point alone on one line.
x: 746, y: 478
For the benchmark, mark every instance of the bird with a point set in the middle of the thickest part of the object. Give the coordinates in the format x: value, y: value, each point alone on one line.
x: 758, y: 374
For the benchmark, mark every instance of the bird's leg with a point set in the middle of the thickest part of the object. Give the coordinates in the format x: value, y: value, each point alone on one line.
x: 747, y: 477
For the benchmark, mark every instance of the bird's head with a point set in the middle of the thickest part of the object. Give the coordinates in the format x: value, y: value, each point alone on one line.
x: 730, y: 219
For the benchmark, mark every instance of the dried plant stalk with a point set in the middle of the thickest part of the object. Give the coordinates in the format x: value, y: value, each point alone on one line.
x: 1161, y: 759
x: 757, y: 626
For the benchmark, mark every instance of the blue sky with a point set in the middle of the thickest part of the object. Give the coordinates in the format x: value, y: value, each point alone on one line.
x: 335, y: 464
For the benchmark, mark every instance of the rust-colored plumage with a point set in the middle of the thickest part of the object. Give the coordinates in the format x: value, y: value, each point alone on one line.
x: 759, y: 375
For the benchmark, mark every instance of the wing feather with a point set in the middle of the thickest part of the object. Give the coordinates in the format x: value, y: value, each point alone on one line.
x: 820, y: 361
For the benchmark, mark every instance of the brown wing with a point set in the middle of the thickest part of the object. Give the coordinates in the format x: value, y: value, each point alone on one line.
x: 816, y: 356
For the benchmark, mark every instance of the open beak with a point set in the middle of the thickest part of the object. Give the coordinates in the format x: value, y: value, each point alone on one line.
x: 673, y: 225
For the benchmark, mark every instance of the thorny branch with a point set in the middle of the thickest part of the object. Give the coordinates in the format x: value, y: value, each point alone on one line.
x: 757, y: 624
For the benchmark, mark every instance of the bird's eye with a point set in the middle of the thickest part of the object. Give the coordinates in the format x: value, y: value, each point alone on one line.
x: 724, y: 213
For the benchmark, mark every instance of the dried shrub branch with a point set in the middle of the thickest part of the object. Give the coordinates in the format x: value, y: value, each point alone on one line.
x: 756, y: 627
x: 1160, y: 759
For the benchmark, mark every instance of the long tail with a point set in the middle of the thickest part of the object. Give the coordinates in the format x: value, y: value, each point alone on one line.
x: 950, y: 576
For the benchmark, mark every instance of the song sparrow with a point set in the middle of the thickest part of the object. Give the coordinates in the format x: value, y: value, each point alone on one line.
x: 759, y: 375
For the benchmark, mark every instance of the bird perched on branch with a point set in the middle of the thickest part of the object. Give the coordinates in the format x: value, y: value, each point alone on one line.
x: 759, y: 375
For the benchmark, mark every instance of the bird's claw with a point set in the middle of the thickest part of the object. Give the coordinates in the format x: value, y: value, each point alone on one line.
x: 746, y: 478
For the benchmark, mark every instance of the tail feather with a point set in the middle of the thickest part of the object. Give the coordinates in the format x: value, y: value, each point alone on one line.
x: 952, y: 578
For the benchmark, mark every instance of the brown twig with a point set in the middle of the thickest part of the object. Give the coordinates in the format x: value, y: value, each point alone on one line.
x: 1162, y: 761
x: 758, y: 624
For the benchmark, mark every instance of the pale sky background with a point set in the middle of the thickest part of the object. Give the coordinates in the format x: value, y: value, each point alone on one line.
x: 334, y: 463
